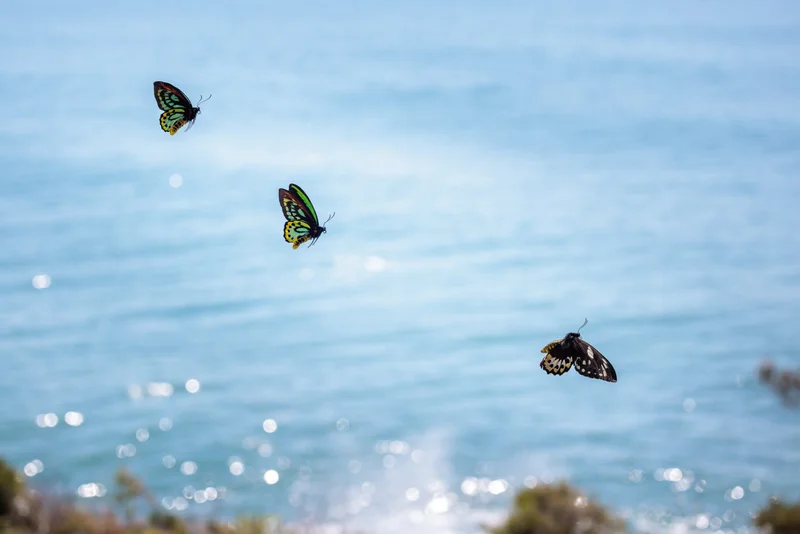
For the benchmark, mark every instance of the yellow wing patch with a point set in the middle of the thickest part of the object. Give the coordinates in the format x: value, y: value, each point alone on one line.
x: 173, y: 120
x: 296, y: 233
x: 556, y: 366
x: 547, y: 348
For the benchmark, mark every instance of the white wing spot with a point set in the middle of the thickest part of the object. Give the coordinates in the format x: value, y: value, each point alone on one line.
x: 590, y: 352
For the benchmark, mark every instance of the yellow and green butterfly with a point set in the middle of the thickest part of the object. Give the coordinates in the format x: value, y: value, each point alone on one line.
x: 301, y: 219
x: 177, y: 108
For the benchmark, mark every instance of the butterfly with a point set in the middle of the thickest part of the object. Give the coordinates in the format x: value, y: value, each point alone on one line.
x: 177, y: 107
x: 588, y: 361
x: 301, y: 220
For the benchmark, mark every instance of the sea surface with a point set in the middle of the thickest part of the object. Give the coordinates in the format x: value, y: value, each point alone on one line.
x: 499, y: 172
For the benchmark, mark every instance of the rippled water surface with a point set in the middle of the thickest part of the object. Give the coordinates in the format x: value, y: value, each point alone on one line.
x: 498, y: 173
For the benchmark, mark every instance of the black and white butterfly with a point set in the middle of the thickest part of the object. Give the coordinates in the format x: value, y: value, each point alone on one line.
x: 562, y: 353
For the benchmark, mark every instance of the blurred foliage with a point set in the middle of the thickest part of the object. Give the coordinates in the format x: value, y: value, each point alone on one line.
x: 557, y: 509
x: 546, y: 509
x: 10, y: 487
x: 27, y: 512
x: 785, y: 383
x: 779, y: 518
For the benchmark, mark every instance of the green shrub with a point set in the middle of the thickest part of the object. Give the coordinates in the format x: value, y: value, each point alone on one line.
x: 10, y: 487
x: 782, y: 518
x: 557, y: 509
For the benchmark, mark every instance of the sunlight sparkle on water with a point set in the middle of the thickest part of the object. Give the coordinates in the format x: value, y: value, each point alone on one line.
x: 73, y: 418
x: 469, y: 486
x: 175, y: 181
x: 270, y: 426
x: 159, y: 389
x: 374, y: 264
x: 188, y: 468
x: 33, y: 468
x: 673, y: 474
x: 271, y: 477
x: 496, y: 487
x: 192, y: 385
x: 90, y: 490
x: 126, y: 451
x: 41, y: 281
x: 236, y: 466
x: 47, y: 420
x: 165, y: 423
x: 142, y: 434
x: 439, y: 504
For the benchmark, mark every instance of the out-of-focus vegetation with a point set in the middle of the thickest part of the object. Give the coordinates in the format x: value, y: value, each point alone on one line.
x: 783, y: 382
x: 557, y: 509
x: 779, y: 518
x: 546, y: 509
x: 23, y: 511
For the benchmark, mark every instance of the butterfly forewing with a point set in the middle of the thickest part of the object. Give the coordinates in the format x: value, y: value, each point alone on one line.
x: 301, y: 196
x: 170, y: 97
x: 292, y: 207
x: 591, y: 363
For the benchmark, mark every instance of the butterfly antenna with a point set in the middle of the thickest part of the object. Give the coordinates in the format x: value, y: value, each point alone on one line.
x: 585, y: 321
x: 329, y: 218
x: 206, y: 100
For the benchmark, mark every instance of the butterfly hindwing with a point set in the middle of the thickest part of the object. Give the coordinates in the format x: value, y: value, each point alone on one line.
x: 591, y: 363
x: 173, y: 120
x: 558, y: 360
x: 296, y: 232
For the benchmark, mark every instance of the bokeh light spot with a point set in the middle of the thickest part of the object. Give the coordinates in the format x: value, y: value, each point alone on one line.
x: 271, y: 477
x: 41, y: 281
x: 270, y: 426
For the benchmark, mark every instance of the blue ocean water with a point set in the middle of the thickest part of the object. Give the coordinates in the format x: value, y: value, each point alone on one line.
x: 499, y: 172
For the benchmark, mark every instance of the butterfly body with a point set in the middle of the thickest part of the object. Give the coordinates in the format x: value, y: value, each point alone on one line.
x: 178, y: 110
x: 301, y: 224
x: 562, y: 354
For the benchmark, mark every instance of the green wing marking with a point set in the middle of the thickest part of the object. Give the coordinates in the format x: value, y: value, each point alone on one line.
x: 301, y: 195
x: 170, y: 97
x: 173, y: 120
x: 296, y: 232
x: 292, y: 210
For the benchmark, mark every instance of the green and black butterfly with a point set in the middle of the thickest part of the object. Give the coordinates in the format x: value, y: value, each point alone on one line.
x: 588, y: 361
x: 301, y: 220
x: 177, y: 108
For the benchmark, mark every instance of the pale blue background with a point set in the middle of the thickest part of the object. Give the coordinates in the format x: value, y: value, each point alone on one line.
x: 499, y: 172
